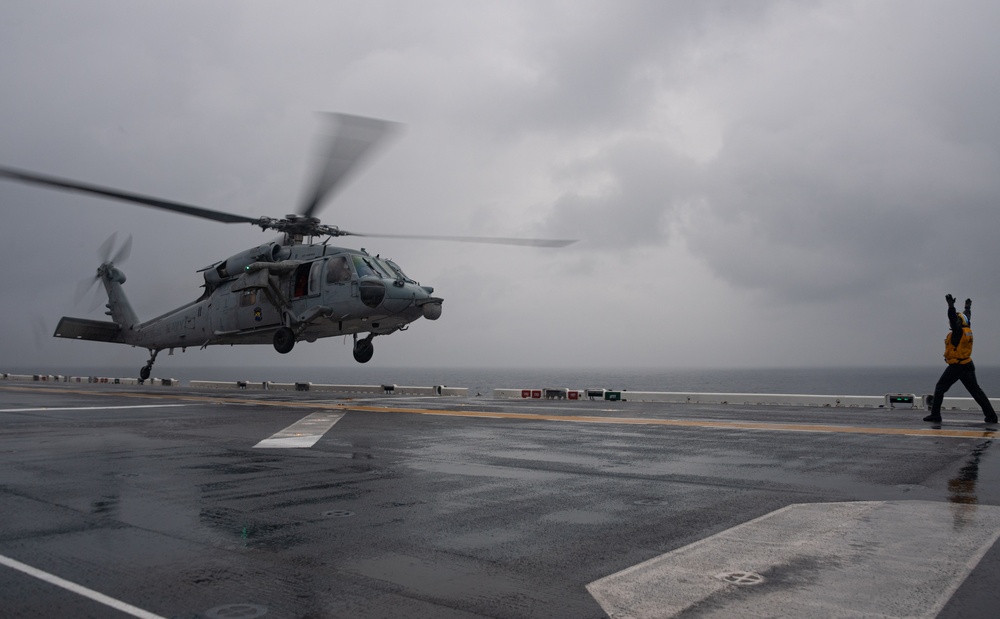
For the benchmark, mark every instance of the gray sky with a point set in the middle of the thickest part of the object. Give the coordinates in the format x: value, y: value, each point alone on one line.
x: 760, y: 184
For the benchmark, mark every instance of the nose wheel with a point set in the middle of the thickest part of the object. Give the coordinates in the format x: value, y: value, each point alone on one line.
x: 363, y: 349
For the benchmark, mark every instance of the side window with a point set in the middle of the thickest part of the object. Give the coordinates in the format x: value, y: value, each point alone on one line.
x: 337, y: 270
x: 315, y: 273
x: 248, y: 298
x: 300, y: 281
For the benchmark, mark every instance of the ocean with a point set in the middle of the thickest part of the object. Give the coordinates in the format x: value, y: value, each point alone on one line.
x: 823, y: 381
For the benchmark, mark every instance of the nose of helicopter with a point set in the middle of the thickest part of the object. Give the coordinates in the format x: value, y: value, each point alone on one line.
x: 430, y: 306
x: 432, y: 310
x: 410, y: 297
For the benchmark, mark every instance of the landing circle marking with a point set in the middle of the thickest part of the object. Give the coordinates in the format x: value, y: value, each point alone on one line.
x: 742, y: 579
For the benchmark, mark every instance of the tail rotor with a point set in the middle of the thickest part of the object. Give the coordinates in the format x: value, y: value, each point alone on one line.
x: 109, y: 256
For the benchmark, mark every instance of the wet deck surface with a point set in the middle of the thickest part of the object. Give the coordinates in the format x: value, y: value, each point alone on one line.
x: 167, y: 502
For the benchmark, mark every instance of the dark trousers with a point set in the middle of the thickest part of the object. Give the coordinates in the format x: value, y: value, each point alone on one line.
x: 967, y: 374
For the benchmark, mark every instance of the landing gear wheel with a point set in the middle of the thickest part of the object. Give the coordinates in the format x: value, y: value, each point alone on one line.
x: 284, y: 340
x: 146, y: 369
x: 363, y: 351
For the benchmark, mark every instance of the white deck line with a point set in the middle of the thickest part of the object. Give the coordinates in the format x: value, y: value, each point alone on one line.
x: 304, y: 433
x: 87, y: 408
x: 78, y: 589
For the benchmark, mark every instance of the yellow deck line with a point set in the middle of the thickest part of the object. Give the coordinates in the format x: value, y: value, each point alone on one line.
x: 688, y: 423
x: 643, y: 421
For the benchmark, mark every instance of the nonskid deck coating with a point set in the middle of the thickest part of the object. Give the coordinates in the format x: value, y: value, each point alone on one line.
x: 607, y: 486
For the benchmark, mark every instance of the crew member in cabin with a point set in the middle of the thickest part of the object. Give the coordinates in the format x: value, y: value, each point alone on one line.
x: 958, y: 355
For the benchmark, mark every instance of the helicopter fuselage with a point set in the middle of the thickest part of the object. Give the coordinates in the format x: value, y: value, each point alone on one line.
x: 272, y: 294
x: 277, y: 293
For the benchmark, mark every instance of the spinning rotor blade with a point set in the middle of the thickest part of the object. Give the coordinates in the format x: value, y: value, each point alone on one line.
x: 70, y: 185
x: 355, y: 137
x: 88, y: 287
x: 123, y: 252
x: 105, y: 254
x: 491, y: 240
x: 41, y: 331
x: 83, y: 288
x: 108, y: 256
x: 97, y: 300
x: 104, y: 251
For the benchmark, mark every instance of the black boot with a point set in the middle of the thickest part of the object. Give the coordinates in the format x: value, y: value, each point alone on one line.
x: 933, y: 418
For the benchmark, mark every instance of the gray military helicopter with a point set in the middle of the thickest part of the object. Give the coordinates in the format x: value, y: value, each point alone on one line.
x: 283, y: 291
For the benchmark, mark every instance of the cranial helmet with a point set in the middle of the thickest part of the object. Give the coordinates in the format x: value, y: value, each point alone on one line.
x: 963, y: 320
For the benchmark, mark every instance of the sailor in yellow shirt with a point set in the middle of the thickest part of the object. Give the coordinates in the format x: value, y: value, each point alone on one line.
x: 958, y: 355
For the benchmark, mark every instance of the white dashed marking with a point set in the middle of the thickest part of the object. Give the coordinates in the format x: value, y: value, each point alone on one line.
x: 303, y: 433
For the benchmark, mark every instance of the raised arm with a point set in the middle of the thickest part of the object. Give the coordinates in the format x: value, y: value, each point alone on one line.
x: 953, y: 322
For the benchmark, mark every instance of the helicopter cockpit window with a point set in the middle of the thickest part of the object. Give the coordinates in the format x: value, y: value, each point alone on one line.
x: 249, y: 297
x: 393, y: 268
x: 381, y: 268
x: 337, y: 270
x: 363, y: 267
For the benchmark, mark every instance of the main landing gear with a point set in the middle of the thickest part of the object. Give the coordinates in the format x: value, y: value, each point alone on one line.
x: 284, y: 340
x: 147, y: 369
x: 363, y: 349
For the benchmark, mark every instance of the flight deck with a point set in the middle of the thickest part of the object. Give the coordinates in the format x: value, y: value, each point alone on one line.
x: 182, y: 502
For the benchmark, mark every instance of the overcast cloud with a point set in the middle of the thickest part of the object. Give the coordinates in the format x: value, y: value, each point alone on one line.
x: 752, y: 183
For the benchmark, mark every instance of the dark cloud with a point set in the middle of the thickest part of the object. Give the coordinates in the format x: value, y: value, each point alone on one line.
x: 853, y: 160
x: 717, y: 157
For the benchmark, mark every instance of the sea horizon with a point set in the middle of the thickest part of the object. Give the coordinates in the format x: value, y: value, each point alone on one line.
x: 807, y: 380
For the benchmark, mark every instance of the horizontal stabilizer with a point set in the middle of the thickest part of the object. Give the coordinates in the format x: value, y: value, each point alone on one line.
x: 83, y: 329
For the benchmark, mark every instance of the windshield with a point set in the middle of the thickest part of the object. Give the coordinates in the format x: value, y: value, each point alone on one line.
x: 367, y: 266
x: 392, y: 267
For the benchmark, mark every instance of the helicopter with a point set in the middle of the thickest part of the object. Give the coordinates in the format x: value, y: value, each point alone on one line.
x: 295, y: 288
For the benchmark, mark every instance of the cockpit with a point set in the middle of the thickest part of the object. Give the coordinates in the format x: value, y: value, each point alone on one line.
x: 373, y: 266
x: 337, y: 270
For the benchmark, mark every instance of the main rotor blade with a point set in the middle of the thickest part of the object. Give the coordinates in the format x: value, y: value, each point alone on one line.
x: 354, y: 138
x: 41, y: 331
x: 491, y: 240
x: 115, y: 194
